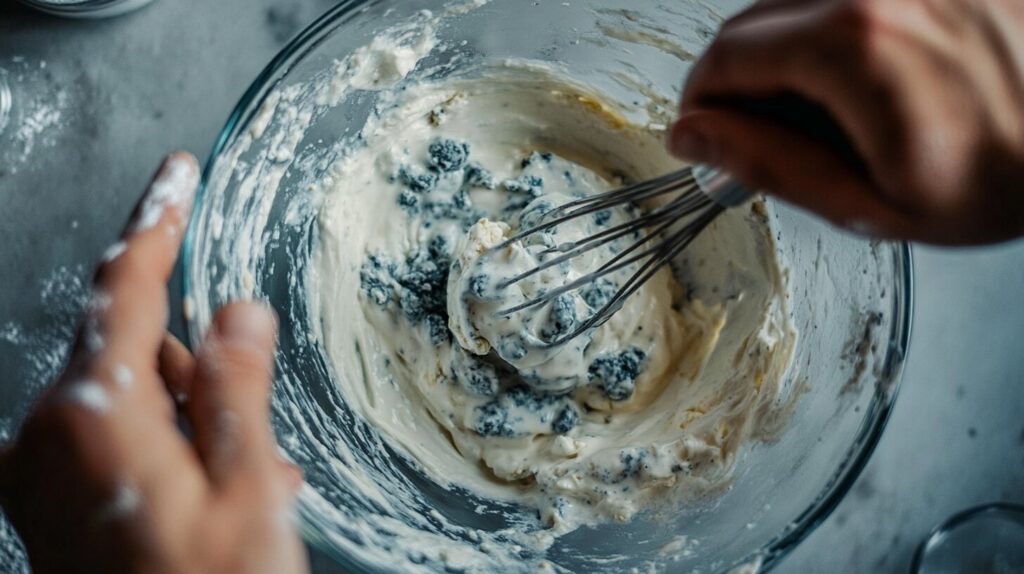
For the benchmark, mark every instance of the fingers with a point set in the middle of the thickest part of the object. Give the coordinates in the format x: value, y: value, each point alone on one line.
x: 110, y: 399
x: 816, y: 51
x: 129, y: 311
x: 115, y: 354
x: 177, y: 368
x: 763, y: 51
x: 229, y: 403
x: 762, y: 7
x: 133, y: 283
x: 769, y: 156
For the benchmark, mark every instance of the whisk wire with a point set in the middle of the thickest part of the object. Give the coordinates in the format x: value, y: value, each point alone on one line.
x: 685, y: 212
x: 704, y: 193
x: 610, y: 267
x: 643, y: 190
x: 679, y: 207
x: 615, y: 264
x: 667, y: 253
x: 596, y: 203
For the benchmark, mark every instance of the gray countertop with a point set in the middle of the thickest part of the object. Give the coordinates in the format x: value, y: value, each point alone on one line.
x: 96, y: 105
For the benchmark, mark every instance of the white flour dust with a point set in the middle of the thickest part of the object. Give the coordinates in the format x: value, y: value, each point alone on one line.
x: 125, y: 502
x: 114, y: 251
x: 41, y: 349
x: 173, y: 187
x: 12, y: 553
x: 43, y: 346
x: 38, y: 112
x: 90, y: 395
x: 123, y: 376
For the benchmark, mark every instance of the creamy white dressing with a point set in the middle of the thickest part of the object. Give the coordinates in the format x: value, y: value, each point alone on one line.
x: 405, y: 232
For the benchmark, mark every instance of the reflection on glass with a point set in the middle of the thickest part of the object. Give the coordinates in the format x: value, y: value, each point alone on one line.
x: 986, y: 539
x: 87, y: 8
x: 5, y: 100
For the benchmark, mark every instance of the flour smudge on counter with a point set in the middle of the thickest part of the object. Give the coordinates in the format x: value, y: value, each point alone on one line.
x: 37, y: 114
x: 42, y: 350
x: 63, y: 296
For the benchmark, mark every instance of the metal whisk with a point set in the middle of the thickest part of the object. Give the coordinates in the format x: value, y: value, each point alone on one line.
x: 701, y: 193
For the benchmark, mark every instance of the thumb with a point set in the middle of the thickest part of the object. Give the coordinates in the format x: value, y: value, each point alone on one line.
x: 229, y: 405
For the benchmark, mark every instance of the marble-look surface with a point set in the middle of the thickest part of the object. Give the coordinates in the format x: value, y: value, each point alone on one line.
x: 167, y: 77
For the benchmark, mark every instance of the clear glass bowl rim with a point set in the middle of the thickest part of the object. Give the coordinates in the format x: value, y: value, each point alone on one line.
x: 86, y: 8
x: 802, y: 525
x: 959, y: 519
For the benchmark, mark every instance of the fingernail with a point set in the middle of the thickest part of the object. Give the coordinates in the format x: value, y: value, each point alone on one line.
x: 692, y: 145
x: 251, y: 323
x: 173, y: 186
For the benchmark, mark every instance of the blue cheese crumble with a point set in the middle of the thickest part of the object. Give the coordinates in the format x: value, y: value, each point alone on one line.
x: 448, y: 155
x: 616, y: 374
x: 523, y: 397
x: 418, y: 285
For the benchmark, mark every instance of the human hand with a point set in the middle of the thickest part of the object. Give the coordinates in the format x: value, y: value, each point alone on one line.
x: 929, y: 94
x: 101, y: 480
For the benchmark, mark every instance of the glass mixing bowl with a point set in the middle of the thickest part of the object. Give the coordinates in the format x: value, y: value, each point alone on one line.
x: 87, y: 9
x: 254, y: 229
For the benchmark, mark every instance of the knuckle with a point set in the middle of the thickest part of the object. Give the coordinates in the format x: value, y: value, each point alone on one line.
x: 918, y: 187
x: 827, y: 55
x: 909, y: 183
x: 860, y: 17
x: 863, y: 25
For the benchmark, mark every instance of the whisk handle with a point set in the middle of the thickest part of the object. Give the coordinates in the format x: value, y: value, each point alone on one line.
x: 720, y: 186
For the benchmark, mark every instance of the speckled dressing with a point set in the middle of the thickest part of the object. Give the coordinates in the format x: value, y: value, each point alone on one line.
x: 590, y: 431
